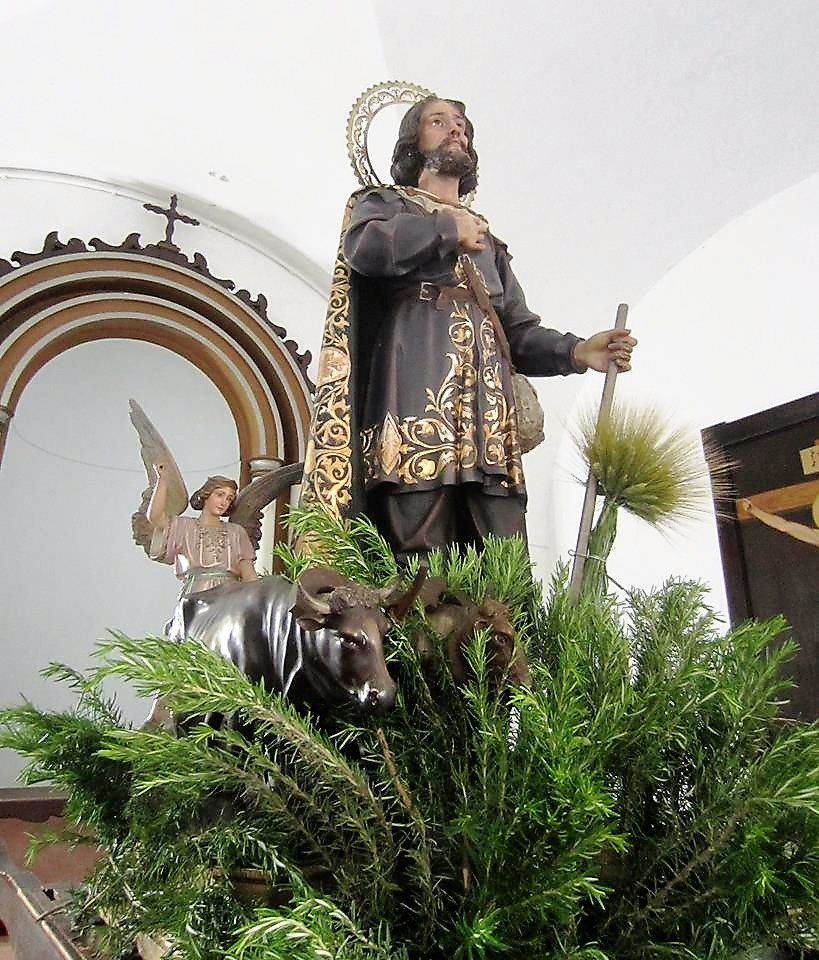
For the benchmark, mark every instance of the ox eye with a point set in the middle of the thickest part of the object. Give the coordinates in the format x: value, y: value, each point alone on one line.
x: 351, y: 641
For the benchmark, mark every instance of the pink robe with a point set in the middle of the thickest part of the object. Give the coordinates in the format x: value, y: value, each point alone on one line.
x: 203, y: 556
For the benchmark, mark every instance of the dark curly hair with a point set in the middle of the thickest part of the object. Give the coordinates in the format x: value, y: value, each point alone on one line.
x: 198, y: 497
x: 407, y: 160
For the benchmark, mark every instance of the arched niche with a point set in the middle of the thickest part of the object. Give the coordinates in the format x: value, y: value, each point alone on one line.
x: 69, y: 295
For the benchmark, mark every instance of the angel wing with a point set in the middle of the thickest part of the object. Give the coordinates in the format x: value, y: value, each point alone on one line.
x: 253, y: 498
x: 153, y: 449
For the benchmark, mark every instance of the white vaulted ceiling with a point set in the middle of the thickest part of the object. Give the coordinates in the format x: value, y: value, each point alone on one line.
x: 614, y: 138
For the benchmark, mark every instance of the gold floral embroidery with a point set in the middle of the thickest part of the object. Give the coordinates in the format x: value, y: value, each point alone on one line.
x: 389, y: 446
x: 416, y: 449
x: 328, y: 472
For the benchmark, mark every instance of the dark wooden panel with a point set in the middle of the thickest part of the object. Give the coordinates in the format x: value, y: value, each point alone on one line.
x: 766, y: 571
x: 34, y: 804
x: 37, y: 928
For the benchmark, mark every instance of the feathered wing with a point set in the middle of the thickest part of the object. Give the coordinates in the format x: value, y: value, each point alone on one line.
x: 153, y: 449
x: 253, y: 498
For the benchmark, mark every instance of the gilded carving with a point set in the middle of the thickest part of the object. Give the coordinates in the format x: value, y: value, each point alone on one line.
x: 327, y: 464
x: 417, y: 449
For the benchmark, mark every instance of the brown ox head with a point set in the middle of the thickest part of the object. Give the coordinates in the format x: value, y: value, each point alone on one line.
x: 457, y: 621
x: 353, y: 626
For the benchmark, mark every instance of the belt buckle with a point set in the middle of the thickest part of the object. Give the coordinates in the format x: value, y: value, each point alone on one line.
x: 428, y: 291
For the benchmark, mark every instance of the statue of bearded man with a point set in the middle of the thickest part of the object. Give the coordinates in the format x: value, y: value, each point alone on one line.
x: 415, y: 421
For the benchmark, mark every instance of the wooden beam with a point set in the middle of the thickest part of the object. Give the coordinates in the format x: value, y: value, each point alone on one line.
x: 794, y: 497
x: 32, y: 804
x: 37, y: 926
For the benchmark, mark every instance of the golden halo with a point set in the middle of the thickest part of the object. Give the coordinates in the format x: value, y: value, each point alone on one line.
x: 363, y: 111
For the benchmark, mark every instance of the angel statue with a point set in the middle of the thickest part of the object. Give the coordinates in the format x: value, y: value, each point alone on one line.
x: 207, y: 551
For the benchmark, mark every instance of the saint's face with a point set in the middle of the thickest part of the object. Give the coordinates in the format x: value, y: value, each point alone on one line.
x: 442, y: 127
x: 220, y: 501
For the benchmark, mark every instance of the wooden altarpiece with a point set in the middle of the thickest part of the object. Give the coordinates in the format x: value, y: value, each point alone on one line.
x: 774, y: 474
x: 76, y: 292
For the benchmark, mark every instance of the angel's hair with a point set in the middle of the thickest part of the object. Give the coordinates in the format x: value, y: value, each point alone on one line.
x: 198, y: 497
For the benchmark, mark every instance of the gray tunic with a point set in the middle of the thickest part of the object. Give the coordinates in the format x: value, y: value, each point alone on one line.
x: 438, y: 406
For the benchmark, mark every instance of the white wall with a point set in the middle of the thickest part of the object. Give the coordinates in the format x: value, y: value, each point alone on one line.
x: 730, y: 331
x: 220, y: 102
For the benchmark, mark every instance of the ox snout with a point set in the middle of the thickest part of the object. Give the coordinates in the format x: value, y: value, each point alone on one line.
x: 376, y: 699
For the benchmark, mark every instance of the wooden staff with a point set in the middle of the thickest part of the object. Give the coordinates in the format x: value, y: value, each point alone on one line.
x: 587, y: 514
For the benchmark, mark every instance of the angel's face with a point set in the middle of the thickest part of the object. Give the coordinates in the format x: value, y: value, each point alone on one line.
x: 220, y: 501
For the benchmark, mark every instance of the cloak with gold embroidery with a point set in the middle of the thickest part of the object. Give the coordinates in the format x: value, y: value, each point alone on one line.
x: 409, y: 394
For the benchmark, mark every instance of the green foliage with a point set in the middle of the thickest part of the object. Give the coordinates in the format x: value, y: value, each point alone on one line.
x: 644, y: 464
x: 718, y: 799
x: 64, y: 747
x: 313, y: 929
x: 353, y: 547
x: 601, y: 540
x: 640, y: 800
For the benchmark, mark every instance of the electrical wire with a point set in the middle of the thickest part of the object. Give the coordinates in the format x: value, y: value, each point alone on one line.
x: 104, y: 466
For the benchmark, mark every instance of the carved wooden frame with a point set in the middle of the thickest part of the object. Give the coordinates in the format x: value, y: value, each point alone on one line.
x: 73, y: 293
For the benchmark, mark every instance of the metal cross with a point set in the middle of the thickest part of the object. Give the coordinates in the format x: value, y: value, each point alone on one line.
x: 171, y: 216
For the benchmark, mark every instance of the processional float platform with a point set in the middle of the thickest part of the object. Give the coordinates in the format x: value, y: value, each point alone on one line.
x: 36, y: 925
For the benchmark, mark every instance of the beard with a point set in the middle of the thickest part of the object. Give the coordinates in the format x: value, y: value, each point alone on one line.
x: 450, y: 163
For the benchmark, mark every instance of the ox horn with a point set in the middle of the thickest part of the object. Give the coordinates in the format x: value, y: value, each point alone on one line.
x: 314, y: 582
x: 399, y: 601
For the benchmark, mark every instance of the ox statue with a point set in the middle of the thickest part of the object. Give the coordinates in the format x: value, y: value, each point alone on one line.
x: 319, y: 640
x: 457, y: 620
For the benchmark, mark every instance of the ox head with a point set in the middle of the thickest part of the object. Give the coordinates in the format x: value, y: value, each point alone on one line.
x: 505, y: 656
x: 505, y: 660
x: 354, y: 625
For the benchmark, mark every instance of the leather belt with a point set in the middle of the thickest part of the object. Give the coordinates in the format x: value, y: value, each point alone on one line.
x: 441, y: 297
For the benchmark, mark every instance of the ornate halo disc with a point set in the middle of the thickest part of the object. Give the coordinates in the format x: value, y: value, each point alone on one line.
x: 363, y: 111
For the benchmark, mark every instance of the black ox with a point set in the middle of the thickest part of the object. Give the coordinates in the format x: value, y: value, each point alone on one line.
x: 319, y: 640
